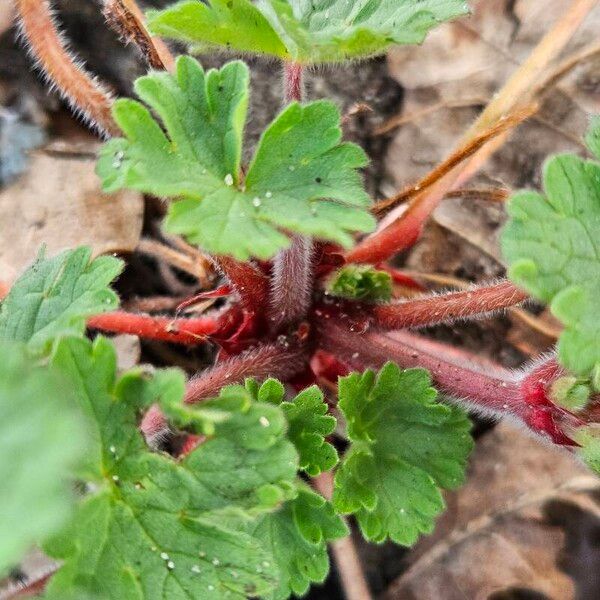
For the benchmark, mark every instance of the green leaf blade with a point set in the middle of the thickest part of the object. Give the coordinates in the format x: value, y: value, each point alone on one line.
x: 41, y: 439
x: 308, y: 32
x: 155, y: 527
x: 550, y: 243
x: 55, y: 296
x: 296, y: 536
x: 405, y: 447
x: 218, y: 23
x: 314, y: 190
x: 310, y: 423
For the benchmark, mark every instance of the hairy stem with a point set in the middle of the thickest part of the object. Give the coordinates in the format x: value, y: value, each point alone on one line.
x: 291, y: 285
x: 85, y: 95
x: 281, y: 359
x: 189, y: 332
x: 475, y: 382
x: 454, y: 371
x: 442, y: 308
x: 125, y: 17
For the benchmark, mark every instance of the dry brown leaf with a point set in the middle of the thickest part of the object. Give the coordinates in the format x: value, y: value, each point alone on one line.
x: 513, y: 526
x: 129, y: 351
x: 457, y: 70
x: 533, y: 342
x: 58, y: 202
x: 475, y: 221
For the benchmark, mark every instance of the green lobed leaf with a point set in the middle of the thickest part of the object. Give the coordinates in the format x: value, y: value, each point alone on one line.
x: 235, y: 24
x: 361, y: 282
x: 296, y: 536
x: 41, y: 438
x: 309, y: 424
x: 312, y: 187
x: 54, y: 297
x: 306, y: 31
x: 308, y: 421
x: 405, y: 447
x: 551, y: 245
x: 154, y: 527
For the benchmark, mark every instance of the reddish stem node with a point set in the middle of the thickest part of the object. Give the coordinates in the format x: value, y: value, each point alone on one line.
x: 249, y: 281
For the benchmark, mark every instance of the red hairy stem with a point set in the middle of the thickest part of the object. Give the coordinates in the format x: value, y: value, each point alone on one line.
x: 79, y: 88
x: 281, y: 359
x: 293, y: 82
x: 249, y: 282
x: 442, y: 308
x: 189, y: 332
x: 475, y: 382
x: 291, y: 284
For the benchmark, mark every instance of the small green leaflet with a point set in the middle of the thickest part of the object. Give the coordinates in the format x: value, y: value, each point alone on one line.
x: 306, y: 31
x: 552, y: 245
x: 308, y: 420
x: 361, y: 282
x: 302, y: 178
x: 297, y: 537
x: 54, y: 297
x: 405, y: 446
x: 153, y: 529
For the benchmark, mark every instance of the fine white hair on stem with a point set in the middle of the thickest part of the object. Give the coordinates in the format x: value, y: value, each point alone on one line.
x: 48, y: 48
x: 474, y: 302
x: 291, y: 284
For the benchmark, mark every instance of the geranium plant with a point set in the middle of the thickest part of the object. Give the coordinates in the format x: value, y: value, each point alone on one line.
x: 233, y: 513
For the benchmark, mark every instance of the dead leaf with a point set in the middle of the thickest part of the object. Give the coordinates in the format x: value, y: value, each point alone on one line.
x: 58, y: 202
x: 533, y: 342
x: 128, y: 350
x: 477, y: 222
x: 507, y: 530
x: 456, y: 71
